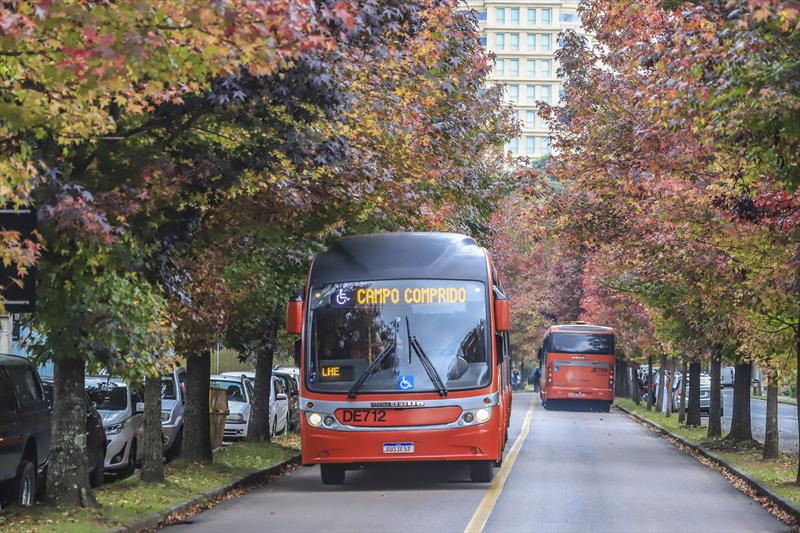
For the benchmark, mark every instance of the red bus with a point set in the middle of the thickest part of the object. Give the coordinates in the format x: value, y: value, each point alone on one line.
x: 577, y: 363
x: 403, y: 354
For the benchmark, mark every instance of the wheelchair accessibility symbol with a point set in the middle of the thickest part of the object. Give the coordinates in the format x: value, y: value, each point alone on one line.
x: 405, y: 382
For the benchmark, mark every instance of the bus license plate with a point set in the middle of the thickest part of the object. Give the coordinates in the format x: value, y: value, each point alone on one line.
x: 398, y: 447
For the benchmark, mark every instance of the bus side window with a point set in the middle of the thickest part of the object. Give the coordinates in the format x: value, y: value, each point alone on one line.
x: 500, y: 341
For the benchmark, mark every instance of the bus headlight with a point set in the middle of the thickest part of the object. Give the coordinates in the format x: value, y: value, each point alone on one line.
x: 482, y: 415
x: 315, y: 419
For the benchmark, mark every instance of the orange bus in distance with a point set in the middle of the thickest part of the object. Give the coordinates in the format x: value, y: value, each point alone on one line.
x: 577, y: 363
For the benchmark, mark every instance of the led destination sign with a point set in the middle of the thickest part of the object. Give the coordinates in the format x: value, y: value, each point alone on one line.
x: 352, y: 297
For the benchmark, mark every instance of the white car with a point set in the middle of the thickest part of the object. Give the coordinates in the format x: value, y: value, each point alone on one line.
x: 278, y: 402
x: 121, y: 410
x: 240, y: 399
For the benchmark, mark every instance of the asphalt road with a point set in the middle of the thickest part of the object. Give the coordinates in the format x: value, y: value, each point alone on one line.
x: 787, y: 420
x: 576, y: 471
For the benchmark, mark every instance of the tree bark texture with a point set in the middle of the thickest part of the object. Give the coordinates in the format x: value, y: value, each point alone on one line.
x: 740, y: 421
x: 621, y: 372
x: 197, y: 425
x: 660, y: 396
x: 260, y: 416
x: 634, y: 384
x: 715, y: 415
x: 670, y: 375
x: 68, y: 466
x: 682, y: 410
x: 693, y: 416
x: 649, y: 383
x: 771, y: 438
x: 153, y: 456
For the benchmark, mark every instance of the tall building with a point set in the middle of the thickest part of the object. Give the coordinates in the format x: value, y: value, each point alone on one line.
x: 523, y: 34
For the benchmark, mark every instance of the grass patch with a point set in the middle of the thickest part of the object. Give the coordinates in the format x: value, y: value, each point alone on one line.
x: 128, y: 500
x: 777, y: 474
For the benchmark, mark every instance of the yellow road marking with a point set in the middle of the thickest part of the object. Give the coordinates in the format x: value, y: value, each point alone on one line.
x: 488, y: 502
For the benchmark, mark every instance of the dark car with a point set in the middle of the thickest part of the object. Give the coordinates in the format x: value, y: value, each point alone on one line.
x: 24, y: 430
x: 95, y: 436
x: 290, y: 385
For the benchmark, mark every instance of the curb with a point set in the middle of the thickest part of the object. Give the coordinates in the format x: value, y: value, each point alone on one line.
x: 785, y: 505
x: 158, y: 518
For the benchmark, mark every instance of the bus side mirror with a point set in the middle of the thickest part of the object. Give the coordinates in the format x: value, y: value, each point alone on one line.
x: 502, y: 315
x: 294, y: 317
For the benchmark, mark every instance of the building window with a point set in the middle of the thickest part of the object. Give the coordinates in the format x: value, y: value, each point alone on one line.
x: 514, y: 15
x: 544, y: 93
x: 500, y: 15
x: 530, y: 145
x: 531, y: 70
x: 481, y: 15
x: 499, y: 41
x: 531, y: 16
x: 500, y: 67
x: 513, y: 93
x: 483, y: 41
x: 531, y: 94
x: 513, y: 146
x: 546, y: 16
x: 513, y: 68
x: 544, y: 42
x: 546, y: 68
x: 530, y: 119
x: 561, y: 92
x: 513, y: 41
x: 568, y: 17
x: 531, y: 42
x: 545, y: 145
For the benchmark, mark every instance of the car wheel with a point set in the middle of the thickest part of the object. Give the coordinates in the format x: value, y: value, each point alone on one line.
x: 24, y: 488
x: 332, y: 474
x: 97, y: 474
x: 481, y: 471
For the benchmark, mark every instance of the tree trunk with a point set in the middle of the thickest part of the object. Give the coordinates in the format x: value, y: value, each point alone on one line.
x: 740, y: 420
x: 670, y: 375
x: 682, y: 410
x: 771, y: 439
x: 68, y: 466
x: 693, y: 416
x: 660, y: 395
x: 621, y: 372
x: 260, y: 416
x: 197, y: 425
x: 633, y: 382
x: 153, y: 457
x: 649, y: 383
x: 715, y: 415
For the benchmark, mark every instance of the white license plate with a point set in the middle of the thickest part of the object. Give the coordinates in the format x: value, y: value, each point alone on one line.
x: 398, y: 447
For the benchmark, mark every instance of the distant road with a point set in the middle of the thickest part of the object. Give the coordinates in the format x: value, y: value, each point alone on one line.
x: 787, y: 420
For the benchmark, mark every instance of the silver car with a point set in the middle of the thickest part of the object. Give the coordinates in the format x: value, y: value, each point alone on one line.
x: 705, y: 393
x: 173, y: 401
x: 121, y: 410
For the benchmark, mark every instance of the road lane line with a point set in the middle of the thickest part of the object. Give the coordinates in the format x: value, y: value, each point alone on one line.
x: 484, y: 509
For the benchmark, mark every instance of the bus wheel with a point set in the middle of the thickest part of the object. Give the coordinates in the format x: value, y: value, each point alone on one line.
x: 544, y: 404
x: 481, y: 471
x: 332, y: 474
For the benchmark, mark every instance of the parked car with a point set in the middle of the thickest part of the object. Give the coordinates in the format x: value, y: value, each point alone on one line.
x: 278, y: 401
x: 705, y: 393
x: 173, y: 402
x: 95, y: 436
x: 293, y: 394
x: 24, y: 430
x: 121, y: 409
x: 240, y: 399
x: 291, y: 370
x: 727, y: 375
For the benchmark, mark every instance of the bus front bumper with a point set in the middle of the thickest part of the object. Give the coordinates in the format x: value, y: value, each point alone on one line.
x: 474, y: 443
x: 570, y: 393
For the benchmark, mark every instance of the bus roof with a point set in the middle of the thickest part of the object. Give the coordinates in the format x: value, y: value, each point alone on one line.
x: 581, y: 328
x: 380, y: 256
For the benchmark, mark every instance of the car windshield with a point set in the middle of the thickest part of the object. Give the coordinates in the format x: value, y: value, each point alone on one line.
x: 581, y: 343
x: 354, y: 324
x: 108, y: 396
x: 234, y: 388
x: 168, y: 389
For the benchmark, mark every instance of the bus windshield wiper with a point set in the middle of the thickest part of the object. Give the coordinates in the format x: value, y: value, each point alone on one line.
x: 371, y: 370
x: 436, y: 379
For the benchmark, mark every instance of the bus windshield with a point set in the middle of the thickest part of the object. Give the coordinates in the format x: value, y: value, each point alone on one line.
x: 353, y: 324
x: 582, y: 343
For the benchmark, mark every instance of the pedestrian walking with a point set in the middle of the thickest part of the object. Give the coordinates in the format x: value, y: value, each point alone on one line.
x: 516, y: 380
x: 537, y: 375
